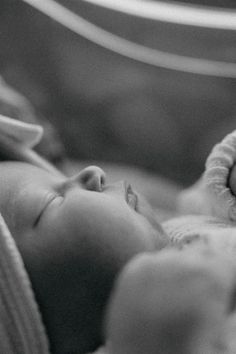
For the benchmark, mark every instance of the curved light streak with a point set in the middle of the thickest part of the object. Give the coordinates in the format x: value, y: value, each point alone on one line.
x: 130, y: 49
x: 174, y: 13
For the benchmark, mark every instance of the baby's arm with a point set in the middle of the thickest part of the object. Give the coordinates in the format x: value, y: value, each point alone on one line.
x: 215, y: 193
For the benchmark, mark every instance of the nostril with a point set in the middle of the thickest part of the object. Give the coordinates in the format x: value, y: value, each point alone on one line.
x: 103, y: 180
x: 94, y: 183
x: 93, y: 178
x: 85, y: 177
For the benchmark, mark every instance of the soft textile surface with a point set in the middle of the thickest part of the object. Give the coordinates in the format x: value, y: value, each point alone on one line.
x: 214, y: 224
x: 15, y: 105
x: 17, y: 139
x: 211, y: 196
x: 17, y: 131
x: 21, y: 327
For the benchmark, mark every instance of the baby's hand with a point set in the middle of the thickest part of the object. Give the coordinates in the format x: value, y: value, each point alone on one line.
x: 173, y: 302
x: 215, y: 192
x: 220, y: 178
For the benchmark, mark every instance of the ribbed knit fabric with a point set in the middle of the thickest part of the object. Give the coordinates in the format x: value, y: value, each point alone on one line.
x: 214, y: 232
x: 218, y: 238
x: 208, y: 218
x: 218, y: 168
x: 21, y: 327
x: 211, y: 195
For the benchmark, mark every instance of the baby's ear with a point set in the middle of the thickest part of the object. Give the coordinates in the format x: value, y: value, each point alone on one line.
x: 24, y: 133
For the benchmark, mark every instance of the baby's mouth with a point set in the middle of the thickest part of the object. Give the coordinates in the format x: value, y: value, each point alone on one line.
x: 131, y: 197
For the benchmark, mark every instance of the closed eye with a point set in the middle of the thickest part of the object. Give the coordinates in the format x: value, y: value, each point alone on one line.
x: 49, y: 200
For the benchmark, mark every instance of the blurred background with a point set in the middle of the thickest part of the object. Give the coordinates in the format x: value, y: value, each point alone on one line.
x: 98, y: 105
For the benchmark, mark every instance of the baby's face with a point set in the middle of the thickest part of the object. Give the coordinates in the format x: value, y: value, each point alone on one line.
x: 74, y: 235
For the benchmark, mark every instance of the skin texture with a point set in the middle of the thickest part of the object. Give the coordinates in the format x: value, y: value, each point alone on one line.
x: 173, y: 302
x: 74, y: 234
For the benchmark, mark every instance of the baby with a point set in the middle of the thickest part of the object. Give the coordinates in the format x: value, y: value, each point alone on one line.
x: 73, y: 235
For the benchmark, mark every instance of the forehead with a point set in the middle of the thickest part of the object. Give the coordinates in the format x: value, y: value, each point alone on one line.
x: 15, y: 174
x: 22, y: 186
x: 16, y: 177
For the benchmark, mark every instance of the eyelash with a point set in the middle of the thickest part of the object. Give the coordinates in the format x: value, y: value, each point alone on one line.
x: 51, y: 198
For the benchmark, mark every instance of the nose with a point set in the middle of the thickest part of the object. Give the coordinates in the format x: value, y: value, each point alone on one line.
x: 92, y: 178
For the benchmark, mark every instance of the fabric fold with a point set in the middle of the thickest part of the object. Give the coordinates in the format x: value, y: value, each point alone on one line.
x: 21, y: 326
x: 25, y: 133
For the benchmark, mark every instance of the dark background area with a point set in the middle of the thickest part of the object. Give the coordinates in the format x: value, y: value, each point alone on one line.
x: 106, y: 107
x: 214, y: 3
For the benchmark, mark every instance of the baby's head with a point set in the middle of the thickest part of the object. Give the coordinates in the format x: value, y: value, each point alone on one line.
x: 74, y: 235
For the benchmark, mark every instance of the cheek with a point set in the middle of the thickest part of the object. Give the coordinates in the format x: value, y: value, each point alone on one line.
x: 88, y: 230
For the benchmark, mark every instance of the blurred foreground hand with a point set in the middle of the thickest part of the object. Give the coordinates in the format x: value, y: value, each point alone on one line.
x: 173, y: 302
